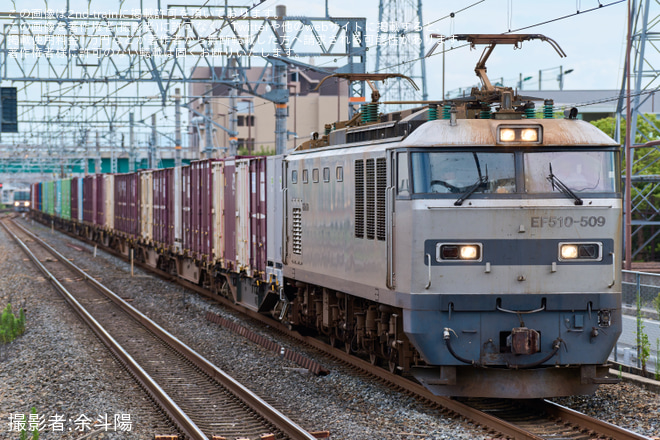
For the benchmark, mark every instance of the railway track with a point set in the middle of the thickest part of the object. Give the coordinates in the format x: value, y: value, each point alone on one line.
x: 501, y: 418
x: 201, y: 400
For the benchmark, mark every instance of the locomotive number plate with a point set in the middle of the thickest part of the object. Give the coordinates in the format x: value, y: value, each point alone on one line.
x: 568, y: 222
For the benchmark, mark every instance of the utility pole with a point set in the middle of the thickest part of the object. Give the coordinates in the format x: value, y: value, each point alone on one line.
x: 131, y: 149
x: 208, y: 113
x: 98, y: 160
x: 231, y: 114
x: 152, y: 145
x: 280, y: 80
x: 177, y: 127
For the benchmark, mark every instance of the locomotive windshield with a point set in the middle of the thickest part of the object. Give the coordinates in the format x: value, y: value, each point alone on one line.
x: 581, y: 171
x: 463, y: 173
x: 460, y: 172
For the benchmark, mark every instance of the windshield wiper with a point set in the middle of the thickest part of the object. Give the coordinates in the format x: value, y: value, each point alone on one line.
x: 554, y: 180
x: 482, y: 181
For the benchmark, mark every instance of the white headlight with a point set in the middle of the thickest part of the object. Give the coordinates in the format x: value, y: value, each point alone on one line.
x: 507, y: 135
x: 569, y: 251
x: 469, y: 252
x: 529, y: 135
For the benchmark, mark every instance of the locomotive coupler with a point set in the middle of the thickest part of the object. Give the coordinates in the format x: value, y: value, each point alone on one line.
x: 524, y: 340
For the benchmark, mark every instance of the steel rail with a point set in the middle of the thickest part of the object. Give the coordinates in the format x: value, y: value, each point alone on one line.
x: 272, y: 415
x: 601, y: 427
x: 175, y: 413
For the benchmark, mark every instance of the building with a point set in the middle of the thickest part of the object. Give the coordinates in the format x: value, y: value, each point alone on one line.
x: 254, y: 117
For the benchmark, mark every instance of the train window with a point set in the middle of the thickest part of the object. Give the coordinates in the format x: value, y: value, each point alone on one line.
x: 305, y: 176
x: 580, y: 171
x: 315, y: 175
x: 294, y: 176
x: 340, y: 174
x: 459, y: 173
x: 403, y: 179
x: 326, y: 174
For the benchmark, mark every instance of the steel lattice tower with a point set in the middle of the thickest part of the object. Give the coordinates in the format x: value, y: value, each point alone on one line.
x: 401, y: 49
x: 643, y: 225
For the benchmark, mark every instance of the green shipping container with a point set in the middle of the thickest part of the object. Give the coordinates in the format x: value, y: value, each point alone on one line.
x: 50, y: 201
x: 66, y: 199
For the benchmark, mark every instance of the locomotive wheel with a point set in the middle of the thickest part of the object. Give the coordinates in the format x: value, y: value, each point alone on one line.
x: 392, y: 366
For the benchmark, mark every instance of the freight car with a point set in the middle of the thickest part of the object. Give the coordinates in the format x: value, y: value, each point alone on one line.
x: 479, y: 252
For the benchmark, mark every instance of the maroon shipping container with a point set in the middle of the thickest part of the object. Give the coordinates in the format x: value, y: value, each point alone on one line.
x: 99, y: 189
x: 164, y: 210
x: 34, y: 197
x: 127, y: 204
x: 90, y: 199
x: 230, y: 213
x: 197, y: 205
x: 74, y: 198
x: 258, y: 214
x: 186, y: 210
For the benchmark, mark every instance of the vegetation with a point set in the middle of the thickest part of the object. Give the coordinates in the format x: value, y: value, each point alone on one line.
x: 261, y: 151
x: 10, y: 326
x: 643, y: 344
x: 646, y: 196
x: 35, y: 432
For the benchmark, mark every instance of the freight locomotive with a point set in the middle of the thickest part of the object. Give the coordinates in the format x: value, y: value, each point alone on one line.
x: 466, y: 243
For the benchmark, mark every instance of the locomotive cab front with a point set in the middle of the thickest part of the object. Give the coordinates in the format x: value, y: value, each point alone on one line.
x: 506, y: 258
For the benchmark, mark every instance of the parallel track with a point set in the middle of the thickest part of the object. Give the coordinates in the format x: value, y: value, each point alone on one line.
x: 520, y: 420
x: 200, y: 399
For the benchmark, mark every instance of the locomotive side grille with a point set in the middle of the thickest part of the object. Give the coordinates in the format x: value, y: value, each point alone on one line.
x: 371, y: 199
x: 381, y: 183
x: 359, y: 198
x: 297, y: 231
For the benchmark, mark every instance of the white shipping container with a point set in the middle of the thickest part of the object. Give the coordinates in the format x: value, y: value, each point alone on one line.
x: 274, y: 224
x: 109, y: 196
x: 219, y: 212
x: 147, y: 205
x: 243, y: 182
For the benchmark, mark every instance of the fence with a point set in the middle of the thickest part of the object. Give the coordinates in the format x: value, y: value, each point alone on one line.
x: 640, y: 293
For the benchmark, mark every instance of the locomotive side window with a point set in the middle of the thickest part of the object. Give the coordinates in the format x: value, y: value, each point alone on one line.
x: 580, y: 171
x: 461, y: 172
x: 294, y: 176
x: 305, y: 176
x: 402, y: 177
x: 315, y: 175
x: 326, y: 174
x: 340, y: 174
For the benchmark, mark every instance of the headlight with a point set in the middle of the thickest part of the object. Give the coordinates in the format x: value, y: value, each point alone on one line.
x: 469, y: 252
x: 507, y: 135
x: 519, y: 134
x: 569, y: 251
x: 458, y: 252
x: 27, y: 203
x: 529, y: 135
x: 580, y: 251
x: 15, y: 203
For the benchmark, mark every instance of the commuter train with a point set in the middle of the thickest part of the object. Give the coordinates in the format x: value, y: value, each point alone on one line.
x: 468, y: 244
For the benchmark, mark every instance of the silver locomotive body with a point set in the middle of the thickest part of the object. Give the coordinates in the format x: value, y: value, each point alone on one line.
x: 483, y: 256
